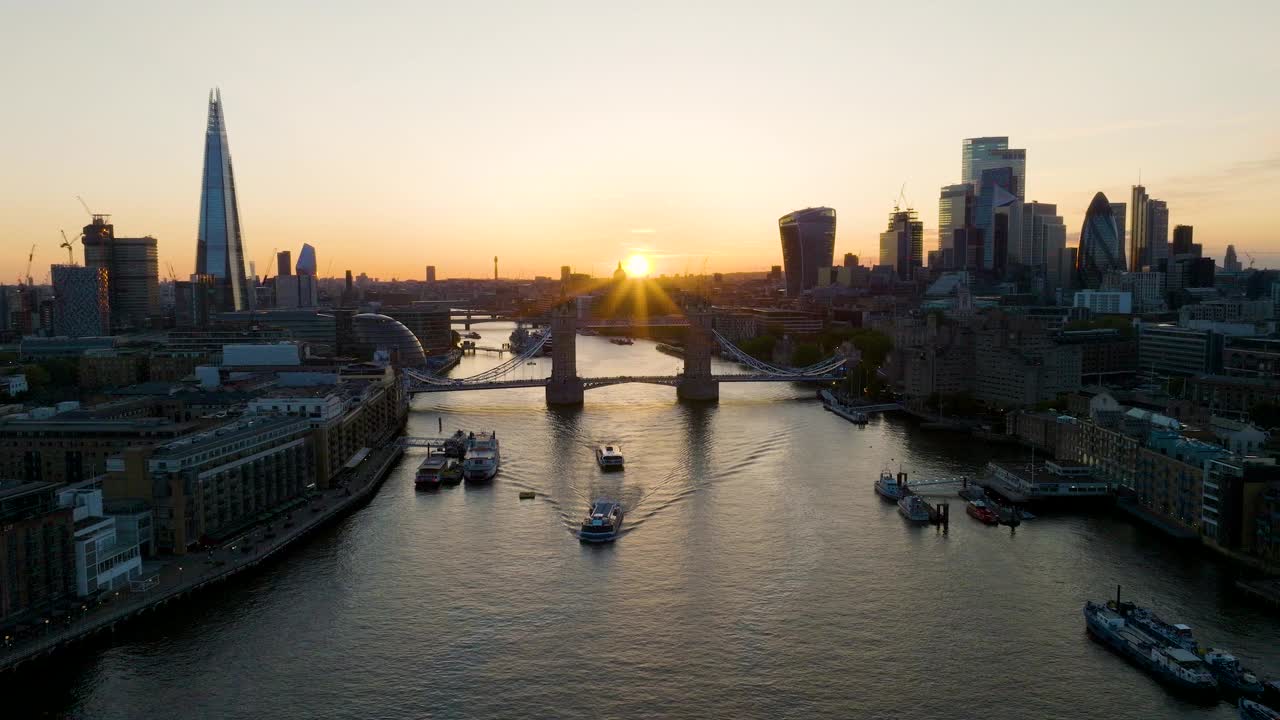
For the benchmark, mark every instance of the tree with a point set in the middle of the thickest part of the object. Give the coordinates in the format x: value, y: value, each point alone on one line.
x: 760, y: 348
x: 806, y: 354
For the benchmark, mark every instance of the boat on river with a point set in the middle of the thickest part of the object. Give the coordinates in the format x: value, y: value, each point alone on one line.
x: 890, y: 487
x: 622, y: 341
x: 609, y: 457
x: 1113, y: 624
x: 602, y: 523
x: 483, y: 457
x: 982, y: 512
x: 1234, y: 679
x: 1253, y: 710
x: 429, y: 472
x: 914, y: 509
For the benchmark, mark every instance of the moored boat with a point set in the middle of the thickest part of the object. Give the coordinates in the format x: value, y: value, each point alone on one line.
x: 1173, y: 666
x: 914, y: 509
x: 1253, y: 710
x: 1233, y: 678
x: 603, y: 521
x: 483, y: 457
x: 890, y: 487
x: 982, y: 512
x: 428, y: 475
x: 455, y: 446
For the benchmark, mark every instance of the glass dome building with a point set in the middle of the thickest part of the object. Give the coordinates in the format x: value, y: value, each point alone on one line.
x: 1101, y: 244
x: 379, y: 332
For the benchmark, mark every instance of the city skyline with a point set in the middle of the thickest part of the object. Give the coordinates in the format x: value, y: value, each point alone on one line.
x: 684, y: 155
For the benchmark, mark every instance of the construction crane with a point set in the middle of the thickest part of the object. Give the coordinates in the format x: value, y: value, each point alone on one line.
x: 66, y: 243
x: 1251, y: 260
x: 172, y: 275
x: 31, y: 256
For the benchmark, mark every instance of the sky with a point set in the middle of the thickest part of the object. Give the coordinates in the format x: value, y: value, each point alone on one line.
x: 392, y: 136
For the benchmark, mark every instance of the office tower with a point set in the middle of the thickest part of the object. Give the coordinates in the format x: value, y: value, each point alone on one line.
x: 1100, y: 249
x: 565, y: 273
x: 306, y: 261
x: 219, y: 247
x: 1138, y: 248
x: 808, y: 243
x: 775, y: 273
x: 1182, y: 236
x: 495, y: 267
x: 955, y: 212
x: 989, y: 153
x: 1118, y: 211
x: 902, y: 244
x: 284, y: 265
x: 81, y: 301
x: 1157, y: 228
x: 1043, y: 237
x: 431, y: 273
x: 196, y: 301
x: 133, y: 273
x: 997, y: 217
x: 1230, y: 262
x: 850, y: 260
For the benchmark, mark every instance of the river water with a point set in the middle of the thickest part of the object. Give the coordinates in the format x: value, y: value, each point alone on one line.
x: 758, y: 577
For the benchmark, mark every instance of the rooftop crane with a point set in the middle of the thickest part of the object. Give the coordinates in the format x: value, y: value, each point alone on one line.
x: 66, y: 243
x: 172, y: 276
x: 31, y: 256
x: 1251, y: 260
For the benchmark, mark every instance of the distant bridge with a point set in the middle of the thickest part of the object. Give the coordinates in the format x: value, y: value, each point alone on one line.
x: 565, y: 387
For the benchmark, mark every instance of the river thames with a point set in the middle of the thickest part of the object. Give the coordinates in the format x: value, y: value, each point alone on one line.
x: 758, y: 577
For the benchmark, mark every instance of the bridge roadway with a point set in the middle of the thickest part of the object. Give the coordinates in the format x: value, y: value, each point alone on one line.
x: 590, y: 383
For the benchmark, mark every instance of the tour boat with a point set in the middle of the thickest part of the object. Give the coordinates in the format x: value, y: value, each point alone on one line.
x: 622, y: 341
x: 1252, y: 710
x: 1233, y: 677
x: 1113, y: 624
x: 483, y: 457
x: 602, y: 523
x: 609, y: 457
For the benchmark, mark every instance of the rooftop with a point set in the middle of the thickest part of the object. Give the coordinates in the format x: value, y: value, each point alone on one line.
x: 16, y: 488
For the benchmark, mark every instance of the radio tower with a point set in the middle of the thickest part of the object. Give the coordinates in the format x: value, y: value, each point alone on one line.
x: 495, y: 267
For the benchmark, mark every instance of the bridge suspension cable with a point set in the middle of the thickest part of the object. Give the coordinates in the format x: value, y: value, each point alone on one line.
x: 819, y: 368
x: 489, y: 375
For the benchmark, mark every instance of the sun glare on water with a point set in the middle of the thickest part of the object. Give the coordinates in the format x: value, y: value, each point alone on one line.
x: 637, y: 266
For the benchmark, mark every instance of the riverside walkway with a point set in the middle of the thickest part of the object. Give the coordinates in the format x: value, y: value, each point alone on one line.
x: 187, y: 574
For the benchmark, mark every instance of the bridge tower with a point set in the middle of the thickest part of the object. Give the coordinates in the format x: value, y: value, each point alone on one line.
x: 696, y: 382
x: 564, y: 387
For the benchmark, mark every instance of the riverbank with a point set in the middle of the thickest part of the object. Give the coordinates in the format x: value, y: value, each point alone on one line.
x: 183, y: 576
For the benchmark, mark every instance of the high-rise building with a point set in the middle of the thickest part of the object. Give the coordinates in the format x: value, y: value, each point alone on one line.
x: 1230, y: 262
x: 1157, y: 229
x: 431, y: 273
x: 955, y: 212
x: 1139, y: 251
x: 306, y: 260
x: 902, y: 243
x: 284, y: 264
x: 1100, y: 249
x: 1118, y: 211
x: 81, y: 301
x: 133, y: 273
x: 1182, y: 237
x: 997, y: 216
x: 989, y: 153
x: 850, y: 260
x: 808, y: 243
x: 1039, y: 221
x: 219, y: 246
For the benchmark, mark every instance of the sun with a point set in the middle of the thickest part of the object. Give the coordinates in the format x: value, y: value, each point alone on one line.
x: 637, y: 266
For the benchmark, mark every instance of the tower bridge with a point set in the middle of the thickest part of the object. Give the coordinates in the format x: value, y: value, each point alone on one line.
x: 566, y: 387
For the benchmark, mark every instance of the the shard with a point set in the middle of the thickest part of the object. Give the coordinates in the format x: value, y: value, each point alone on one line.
x: 219, y: 247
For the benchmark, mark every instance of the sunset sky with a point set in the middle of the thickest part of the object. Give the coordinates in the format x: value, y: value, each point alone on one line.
x: 396, y: 135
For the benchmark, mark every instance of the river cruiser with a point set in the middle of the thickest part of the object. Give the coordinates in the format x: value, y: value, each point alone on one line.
x: 429, y: 472
x: 1175, y: 634
x: 455, y: 446
x: 622, y: 341
x: 483, y: 457
x: 1251, y: 710
x: 609, y: 457
x: 914, y: 509
x: 1233, y: 678
x: 890, y: 487
x: 1175, y: 667
x: 602, y: 523
x: 982, y: 512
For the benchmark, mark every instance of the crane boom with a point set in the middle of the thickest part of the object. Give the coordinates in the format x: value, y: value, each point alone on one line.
x: 31, y: 256
x: 66, y: 243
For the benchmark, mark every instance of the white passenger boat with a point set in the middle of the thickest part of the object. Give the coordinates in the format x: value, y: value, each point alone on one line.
x: 609, y: 457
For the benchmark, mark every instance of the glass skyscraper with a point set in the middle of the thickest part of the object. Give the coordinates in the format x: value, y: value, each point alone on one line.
x: 955, y: 212
x: 219, y: 247
x: 989, y: 153
x: 1100, y: 248
x: 808, y: 243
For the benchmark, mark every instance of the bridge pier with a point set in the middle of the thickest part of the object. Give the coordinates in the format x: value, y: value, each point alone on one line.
x: 564, y: 386
x: 697, y: 382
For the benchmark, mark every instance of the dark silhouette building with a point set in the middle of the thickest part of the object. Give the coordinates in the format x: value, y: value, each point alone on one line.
x: 1101, y: 249
x: 808, y: 243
